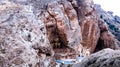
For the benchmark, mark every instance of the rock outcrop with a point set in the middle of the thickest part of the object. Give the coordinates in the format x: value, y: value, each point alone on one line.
x: 23, y: 39
x: 88, y: 23
x: 63, y: 29
x: 107, y: 37
x: 34, y: 33
x: 103, y: 58
x: 112, y: 21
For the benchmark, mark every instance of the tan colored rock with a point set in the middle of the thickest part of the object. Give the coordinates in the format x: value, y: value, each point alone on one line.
x: 62, y: 26
x: 90, y: 33
x: 107, y: 39
x: 34, y: 33
x: 88, y: 22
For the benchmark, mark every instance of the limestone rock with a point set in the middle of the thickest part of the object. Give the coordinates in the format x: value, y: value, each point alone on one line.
x: 22, y: 36
x: 106, y: 22
x: 62, y: 25
x: 88, y: 22
x: 26, y: 37
x: 103, y: 58
x: 34, y: 33
x: 111, y: 20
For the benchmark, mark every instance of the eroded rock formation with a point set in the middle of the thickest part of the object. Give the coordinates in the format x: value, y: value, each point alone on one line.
x: 105, y: 23
x: 63, y: 29
x: 112, y: 21
x: 104, y: 58
x: 88, y: 22
x: 34, y: 33
x: 23, y: 39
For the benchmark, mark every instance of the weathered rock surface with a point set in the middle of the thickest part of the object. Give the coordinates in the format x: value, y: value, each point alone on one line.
x: 34, y: 33
x: 23, y: 37
x: 88, y: 22
x: 103, y: 58
x: 30, y: 30
x: 106, y: 39
x: 105, y: 23
x: 62, y: 25
x: 111, y: 20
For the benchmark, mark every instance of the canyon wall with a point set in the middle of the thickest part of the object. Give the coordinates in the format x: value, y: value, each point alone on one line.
x: 34, y: 33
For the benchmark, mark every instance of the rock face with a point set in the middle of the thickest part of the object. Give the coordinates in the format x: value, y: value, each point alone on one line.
x: 62, y: 26
x: 106, y: 39
x: 34, y: 33
x: 112, y: 21
x: 23, y: 39
x: 88, y: 22
x: 108, y: 27
x: 103, y: 58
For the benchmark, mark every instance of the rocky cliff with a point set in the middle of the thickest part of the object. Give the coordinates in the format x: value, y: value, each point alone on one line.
x: 112, y: 22
x: 34, y: 33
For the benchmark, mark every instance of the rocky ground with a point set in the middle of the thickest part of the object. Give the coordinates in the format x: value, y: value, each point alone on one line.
x: 103, y: 58
x: 35, y: 33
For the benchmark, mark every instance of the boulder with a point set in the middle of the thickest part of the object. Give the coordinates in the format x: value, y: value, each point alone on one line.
x: 104, y: 58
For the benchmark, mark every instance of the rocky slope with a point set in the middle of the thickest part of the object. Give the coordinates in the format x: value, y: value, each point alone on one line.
x: 103, y: 58
x: 34, y: 33
x: 112, y: 21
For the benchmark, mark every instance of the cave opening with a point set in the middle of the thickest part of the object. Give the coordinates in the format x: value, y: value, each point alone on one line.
x: 58, y: 44
x: 100, y: 45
